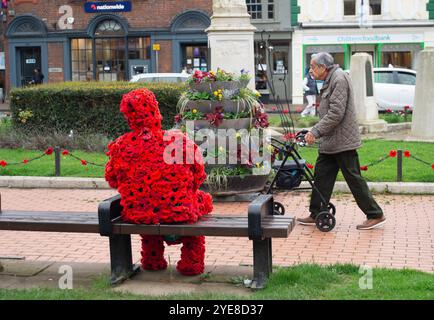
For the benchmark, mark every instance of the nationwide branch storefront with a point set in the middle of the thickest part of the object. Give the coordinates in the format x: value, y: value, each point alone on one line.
x: 109, y: 42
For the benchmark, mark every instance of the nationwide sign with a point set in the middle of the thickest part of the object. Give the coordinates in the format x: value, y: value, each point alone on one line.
x: 93, y: 7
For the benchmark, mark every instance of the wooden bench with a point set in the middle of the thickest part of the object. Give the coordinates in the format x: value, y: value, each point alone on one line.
x: 259, y: 225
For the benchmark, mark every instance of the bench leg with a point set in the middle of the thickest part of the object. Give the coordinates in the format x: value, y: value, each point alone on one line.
x: 121, y: 258
x: 262, y: 262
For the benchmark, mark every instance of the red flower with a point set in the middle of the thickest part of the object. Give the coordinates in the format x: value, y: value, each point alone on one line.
x: 65, y: 152
x: 406, y: 108
x: 285, y: 111
x: 432, y: 166
x: 310, y: 166
x: 392, y: 153
x: 178, y: 118
x: 407, y: 154
x: 3, y: 163
x: 25, y: 161
x: 389, y: 111
x: 261, y: 120
x: 49, y: 151
x: 215, y: 119
x: 158, y: 179
x: 364, y: 168
x: 84, y: 162
x: 289, y: 136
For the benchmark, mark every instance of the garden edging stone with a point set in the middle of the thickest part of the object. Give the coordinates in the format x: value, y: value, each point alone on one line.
x: 100, y: 183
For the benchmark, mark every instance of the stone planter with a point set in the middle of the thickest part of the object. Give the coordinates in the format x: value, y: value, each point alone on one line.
x: 214, y: 86
x: 208, y: 106
x: 225, y: 85
x: 237, y: 185
x: 237, y: 124
x: 201, y: 87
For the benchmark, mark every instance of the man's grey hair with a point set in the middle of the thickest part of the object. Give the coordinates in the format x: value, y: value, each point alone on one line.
x: 324, y: 58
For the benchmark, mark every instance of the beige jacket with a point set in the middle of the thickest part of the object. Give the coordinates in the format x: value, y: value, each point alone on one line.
x: 337, y: 129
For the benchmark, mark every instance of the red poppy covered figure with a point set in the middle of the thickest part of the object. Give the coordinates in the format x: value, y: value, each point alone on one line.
x: 156, y: 186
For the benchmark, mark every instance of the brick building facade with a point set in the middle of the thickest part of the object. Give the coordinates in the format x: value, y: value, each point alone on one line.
x: 79, y: 40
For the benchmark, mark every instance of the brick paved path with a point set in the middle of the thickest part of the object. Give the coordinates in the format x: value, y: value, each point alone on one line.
x: 407, y: 239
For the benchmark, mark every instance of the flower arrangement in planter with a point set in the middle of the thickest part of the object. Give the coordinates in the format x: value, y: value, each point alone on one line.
x: 221, y: 100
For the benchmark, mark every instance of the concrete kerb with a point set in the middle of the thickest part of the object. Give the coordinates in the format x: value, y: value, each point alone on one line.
x: 39, y: 274
x: 100, y: 183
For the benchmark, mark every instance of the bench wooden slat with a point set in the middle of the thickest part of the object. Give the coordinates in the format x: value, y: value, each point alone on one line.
x: 87, y: 222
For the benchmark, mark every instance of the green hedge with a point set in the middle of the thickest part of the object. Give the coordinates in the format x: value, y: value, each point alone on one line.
x: 84, y: 106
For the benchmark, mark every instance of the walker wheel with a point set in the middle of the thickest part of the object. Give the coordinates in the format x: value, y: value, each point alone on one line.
x: 325, y: 221
x: 279, y: 209
x: 332, y: 209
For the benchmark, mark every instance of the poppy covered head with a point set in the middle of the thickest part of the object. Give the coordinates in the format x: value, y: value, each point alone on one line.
x: 140, y: 108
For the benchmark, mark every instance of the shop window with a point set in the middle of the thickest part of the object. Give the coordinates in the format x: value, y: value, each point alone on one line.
x: 110, y: 59
x: 261, y: 9
x: 139, y: 48
x: 109, y: 28
x: 81, y: 59
x: 397, y: 59
x: 260, y: 66
x: 195, y: 58
x: 349, y: 7
x: 375, y: 7
x: 280, y: 62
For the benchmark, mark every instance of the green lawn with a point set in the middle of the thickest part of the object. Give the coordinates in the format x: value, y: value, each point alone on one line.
x: 335, y: 282
x: 372, y: 150
x: 275, y: 120
x: 45, y: 167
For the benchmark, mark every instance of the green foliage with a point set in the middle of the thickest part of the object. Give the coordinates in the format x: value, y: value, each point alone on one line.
x: 198, y: 95
x: 193, y: 115
x: 300, y: 282
x: 396, y: 117
x: 91, y: 107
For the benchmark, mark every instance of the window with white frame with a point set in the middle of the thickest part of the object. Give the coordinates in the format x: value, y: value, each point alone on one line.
x: 375, y: 7
x: 261, y: 9
x: 350, y: 7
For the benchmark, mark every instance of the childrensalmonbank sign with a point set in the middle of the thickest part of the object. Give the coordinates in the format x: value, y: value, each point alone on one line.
x: 94, y: 7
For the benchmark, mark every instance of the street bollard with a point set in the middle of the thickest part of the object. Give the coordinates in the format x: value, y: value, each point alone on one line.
x: 399, y: 167
x: 57, y: 161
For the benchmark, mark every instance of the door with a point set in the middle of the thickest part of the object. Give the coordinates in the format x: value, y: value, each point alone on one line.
x: 279, y: 72
x: 30, y: 59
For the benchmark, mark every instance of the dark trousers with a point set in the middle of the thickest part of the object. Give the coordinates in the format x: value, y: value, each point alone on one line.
x: 326, y: 171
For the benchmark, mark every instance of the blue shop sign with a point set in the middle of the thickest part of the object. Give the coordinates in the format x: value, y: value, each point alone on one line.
x: 119, y: 6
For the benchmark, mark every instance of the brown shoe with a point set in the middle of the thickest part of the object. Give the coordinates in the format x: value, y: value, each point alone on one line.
x: 309, y: 221
x: 372, y: 223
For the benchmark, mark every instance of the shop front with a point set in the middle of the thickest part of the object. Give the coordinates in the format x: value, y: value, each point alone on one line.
x: 386, y: 48
x: 273, y: 66
x: 107, y: 49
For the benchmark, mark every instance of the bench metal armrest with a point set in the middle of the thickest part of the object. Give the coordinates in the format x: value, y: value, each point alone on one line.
x: 108, y: 210
x: 262, y: 206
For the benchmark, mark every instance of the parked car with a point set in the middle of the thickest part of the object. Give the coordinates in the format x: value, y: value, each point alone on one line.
x: 394, y: 88
x: 160, y: 77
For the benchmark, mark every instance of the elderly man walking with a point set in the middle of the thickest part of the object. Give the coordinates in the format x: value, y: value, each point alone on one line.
x: 338, y: 132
